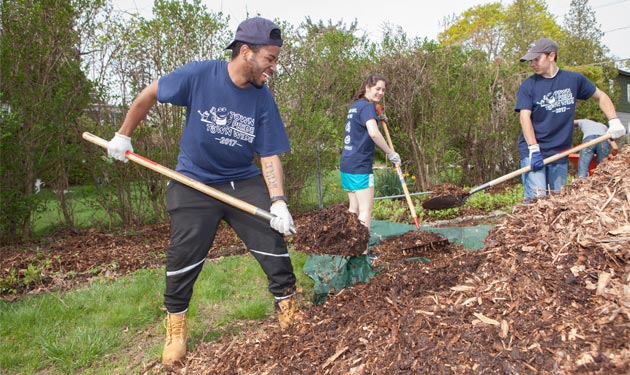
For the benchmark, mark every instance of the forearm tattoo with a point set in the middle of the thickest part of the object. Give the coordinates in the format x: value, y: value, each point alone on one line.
x: 270, y: 175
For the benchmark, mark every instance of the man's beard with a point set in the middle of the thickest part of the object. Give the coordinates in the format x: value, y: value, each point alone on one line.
x: 256, y: 85
x: 254, y: 77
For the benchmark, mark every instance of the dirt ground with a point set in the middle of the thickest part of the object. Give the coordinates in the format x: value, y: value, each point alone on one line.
x: 548, y: 294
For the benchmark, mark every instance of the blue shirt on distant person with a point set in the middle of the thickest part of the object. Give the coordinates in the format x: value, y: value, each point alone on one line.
x: 225, y: 125
x: 357, y: 156
x: 552, y: 102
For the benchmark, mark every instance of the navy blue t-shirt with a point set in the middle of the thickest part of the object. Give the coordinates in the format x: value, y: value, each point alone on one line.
x: 357, y: 156
x: 552, y: 102
x: 225, y: 125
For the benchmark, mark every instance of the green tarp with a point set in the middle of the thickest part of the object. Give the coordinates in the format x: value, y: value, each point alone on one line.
x: 470, y: 237
x: 332, y: 273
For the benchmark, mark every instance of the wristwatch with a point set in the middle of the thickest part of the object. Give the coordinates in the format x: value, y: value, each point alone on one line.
x: 276, y: 198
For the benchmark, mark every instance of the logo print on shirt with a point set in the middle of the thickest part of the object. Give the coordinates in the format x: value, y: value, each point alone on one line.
x: 557, y: 101
x: 347, y: 138
x: 231, y: 128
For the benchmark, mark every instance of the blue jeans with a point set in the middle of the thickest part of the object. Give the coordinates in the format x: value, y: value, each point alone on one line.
x: 586, y: 155
x: 549, y: 179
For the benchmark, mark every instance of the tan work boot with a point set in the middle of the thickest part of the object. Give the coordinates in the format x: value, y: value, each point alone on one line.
x: 288, y: 312
x: 176, y: 334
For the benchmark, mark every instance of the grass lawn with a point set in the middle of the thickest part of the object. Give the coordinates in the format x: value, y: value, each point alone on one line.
x: 114, y: 326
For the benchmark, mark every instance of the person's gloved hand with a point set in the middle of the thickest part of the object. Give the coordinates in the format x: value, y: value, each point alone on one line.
x: 615, y: 128
x: 282, y: 222
x: 394, y: 157
x: 535, y: 158
x: 118, y: 146
x: 382, y: 117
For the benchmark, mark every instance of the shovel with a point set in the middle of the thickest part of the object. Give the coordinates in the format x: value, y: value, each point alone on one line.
x: 412, y: 209
x: 214, y: 193
x: 456, y: 200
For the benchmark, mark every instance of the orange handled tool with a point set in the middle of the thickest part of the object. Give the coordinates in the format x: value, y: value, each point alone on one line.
x: 214, y: 193
x: 379, y: 111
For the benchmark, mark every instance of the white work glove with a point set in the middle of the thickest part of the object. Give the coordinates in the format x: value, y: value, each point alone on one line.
x: 118, y: 146
x: 282, y: 222
x: 616, y: 129
x: 394, y: 157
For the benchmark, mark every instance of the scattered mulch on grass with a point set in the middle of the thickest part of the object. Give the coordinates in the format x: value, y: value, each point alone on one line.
x: 332, y: 230
x: 69, y: 259
x: 548, y: 294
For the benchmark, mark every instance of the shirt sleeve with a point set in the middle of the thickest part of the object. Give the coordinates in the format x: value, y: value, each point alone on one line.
x: 175, y: 87
x: 367, y: 113
x: 586, y: 89
x: 272, y: 137
x: 524, y: 97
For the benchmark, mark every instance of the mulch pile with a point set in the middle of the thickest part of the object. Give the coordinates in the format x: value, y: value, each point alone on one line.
x: 332, y: 230
x: 446, y: 189
x: 548, y: 294
x: 414, y: 244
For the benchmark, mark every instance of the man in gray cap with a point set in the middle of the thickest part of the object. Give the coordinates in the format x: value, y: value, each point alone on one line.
x: 231, y: 117
x: 546, y: 102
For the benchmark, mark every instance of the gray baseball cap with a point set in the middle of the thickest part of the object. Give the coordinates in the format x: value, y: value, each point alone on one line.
x: 544, y: 45
x: 257, y: 30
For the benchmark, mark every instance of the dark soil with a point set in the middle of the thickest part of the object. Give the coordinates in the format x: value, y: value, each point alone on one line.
x: 548, y: 294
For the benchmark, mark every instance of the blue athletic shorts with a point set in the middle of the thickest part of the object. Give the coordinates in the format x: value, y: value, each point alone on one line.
x: 354, y: 182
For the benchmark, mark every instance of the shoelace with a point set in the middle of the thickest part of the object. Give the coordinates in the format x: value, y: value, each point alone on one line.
x: 177, y: 329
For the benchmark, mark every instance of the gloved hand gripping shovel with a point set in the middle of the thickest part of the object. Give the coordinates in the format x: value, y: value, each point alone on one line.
x: 451, y: 201
x: 379, y: 111
x: 214, y: 193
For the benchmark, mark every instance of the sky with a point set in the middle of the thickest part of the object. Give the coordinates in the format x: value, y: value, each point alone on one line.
x: 416, y: 19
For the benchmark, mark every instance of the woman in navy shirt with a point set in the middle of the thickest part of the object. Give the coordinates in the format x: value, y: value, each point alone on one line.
x: 357, y: 158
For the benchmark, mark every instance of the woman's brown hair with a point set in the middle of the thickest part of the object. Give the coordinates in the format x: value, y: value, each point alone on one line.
x: 370, y: 80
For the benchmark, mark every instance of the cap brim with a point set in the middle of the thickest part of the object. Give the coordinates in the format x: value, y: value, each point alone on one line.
x: 530, y: 56
x: 231, y: 45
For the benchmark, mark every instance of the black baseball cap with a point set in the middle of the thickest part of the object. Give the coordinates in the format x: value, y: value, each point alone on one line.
x: 257, y: 30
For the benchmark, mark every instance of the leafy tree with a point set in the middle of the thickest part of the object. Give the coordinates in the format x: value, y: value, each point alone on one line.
x: 480, y: 28
x: 45, y: 92
x: 526, y: 21
x: 442, y: 108
x: 582, y: 43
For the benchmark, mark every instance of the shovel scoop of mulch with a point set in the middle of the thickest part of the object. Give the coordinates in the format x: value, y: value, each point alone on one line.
x: 330, y: 231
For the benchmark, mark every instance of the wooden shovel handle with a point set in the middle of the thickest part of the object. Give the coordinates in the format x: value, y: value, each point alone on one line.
x: 546, y: 161
x: 412, y: 209
x: 214, y: 193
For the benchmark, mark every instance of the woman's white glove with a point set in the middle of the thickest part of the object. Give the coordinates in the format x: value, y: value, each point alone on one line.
x: 118, y: 147
x: 282, y: 221
x: 616, y: 128
x: 394, y: 157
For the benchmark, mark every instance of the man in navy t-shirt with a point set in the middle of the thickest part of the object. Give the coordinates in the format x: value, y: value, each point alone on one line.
x: 231, y: 116
x: 546, y: 101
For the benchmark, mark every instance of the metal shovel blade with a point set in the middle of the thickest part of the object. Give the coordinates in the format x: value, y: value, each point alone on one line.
x: 445, y: 201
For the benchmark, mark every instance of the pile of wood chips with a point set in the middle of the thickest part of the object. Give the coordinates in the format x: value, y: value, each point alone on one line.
x: 549, y: 294
x: 332, y: 231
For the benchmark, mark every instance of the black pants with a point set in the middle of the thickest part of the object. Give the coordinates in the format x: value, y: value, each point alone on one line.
x: 195, y: 218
